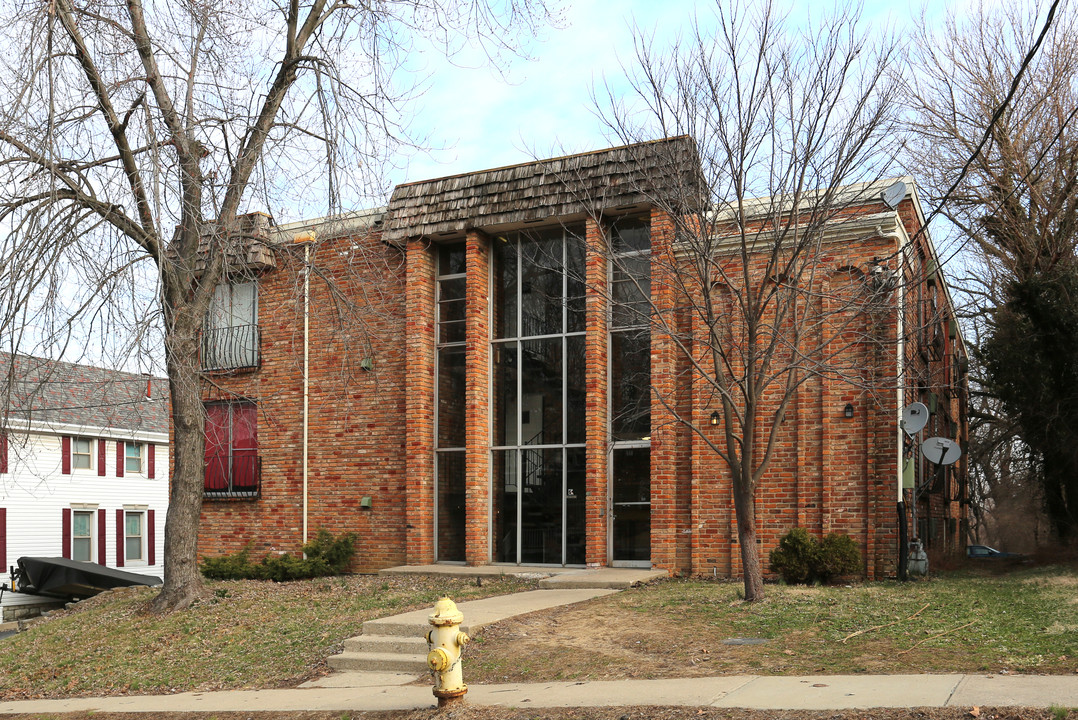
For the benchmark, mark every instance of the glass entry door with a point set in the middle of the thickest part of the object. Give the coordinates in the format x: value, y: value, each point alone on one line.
x: 630, y: 491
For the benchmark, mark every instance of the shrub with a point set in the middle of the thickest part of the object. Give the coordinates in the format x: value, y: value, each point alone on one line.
x: 228, y: 567
x: 326, y: 555
x: 794, y: 557
x: 836, y: 555
x: 800, y: 559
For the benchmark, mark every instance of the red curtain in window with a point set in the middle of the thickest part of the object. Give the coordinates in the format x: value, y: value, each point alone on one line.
x: 244, y: 446
x: 217, y: 447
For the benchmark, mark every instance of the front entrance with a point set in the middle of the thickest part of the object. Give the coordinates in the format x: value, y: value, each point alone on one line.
x: 630, y: 491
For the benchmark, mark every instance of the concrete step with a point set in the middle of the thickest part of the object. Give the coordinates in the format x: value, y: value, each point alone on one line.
x: 377, y: 661
x: 396, y: 628
x: 387, y: 644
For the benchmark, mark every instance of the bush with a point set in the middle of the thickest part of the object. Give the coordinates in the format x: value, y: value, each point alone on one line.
x: 836, y: 555
x: 800, y: 559
x: 794, y: 557
x: 326, y: 555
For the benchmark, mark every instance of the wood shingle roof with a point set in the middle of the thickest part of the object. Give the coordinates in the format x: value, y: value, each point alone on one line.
x: 557, y: 188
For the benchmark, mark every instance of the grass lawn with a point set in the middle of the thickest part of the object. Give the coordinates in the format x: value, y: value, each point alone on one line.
x: 1025, y: 621
x: 247, y: 634
x: 259, y: 634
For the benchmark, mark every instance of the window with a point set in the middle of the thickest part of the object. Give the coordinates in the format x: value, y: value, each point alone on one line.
x: 133, y: 457
x: 82, y: 535
x: 230, y: 339
x: 232, y: 463
x: 80, y: 453
x: 133, y: 537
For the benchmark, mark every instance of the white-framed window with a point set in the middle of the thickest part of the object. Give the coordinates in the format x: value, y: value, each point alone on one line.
x: 134, y: 537
x: 133, y: 457
x: 81, y: 453
x: 82, y: 535
x: 230, y: 338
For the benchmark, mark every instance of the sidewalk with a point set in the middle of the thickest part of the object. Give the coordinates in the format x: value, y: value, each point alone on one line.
x: 837, y: 692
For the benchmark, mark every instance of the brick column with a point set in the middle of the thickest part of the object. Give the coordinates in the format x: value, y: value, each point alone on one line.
x: 665, y: 427
x: 419, y: 403
x: 477, y: 400
x: 596, y: 410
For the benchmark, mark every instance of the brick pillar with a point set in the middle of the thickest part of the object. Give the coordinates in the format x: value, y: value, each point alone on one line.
x: 596, y: 352
x: 477, y: 400
x: 419, y: 403
x: 665, y: 426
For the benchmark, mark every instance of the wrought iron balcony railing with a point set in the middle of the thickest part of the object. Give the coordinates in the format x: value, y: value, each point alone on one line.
x: 231, y: 348
x: 237, y: 475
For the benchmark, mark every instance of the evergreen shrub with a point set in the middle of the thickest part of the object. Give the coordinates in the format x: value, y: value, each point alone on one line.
x: 326, y: 555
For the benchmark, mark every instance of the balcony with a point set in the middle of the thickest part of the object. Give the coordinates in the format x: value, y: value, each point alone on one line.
x: 235, y: 476
x: 231, y: 348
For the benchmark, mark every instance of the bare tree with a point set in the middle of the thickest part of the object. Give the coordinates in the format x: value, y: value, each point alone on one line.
x: 1014, y: 219
x: 743, y: 299
x: 132, y: 138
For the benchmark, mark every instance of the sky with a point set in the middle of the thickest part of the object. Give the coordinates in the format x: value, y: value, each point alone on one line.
x: 543, y: 105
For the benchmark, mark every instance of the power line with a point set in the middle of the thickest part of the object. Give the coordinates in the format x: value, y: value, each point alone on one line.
x: 991, y: 123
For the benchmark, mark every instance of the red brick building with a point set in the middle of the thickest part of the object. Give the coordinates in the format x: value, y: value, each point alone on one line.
x: 474, y: 374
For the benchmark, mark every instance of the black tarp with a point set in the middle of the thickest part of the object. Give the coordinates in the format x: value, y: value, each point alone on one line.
x: 68, y: 579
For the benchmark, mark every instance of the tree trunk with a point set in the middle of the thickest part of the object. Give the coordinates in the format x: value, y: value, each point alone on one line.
x: 183, y: 581
x: 745, y: 508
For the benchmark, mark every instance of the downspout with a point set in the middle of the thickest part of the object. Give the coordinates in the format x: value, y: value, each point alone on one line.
x: 306, y: 238
x: 900, y: 382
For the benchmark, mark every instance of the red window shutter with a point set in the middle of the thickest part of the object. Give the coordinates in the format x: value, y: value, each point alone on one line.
x: 3, y: 537
x: 65, y: 532
x: 151, y: 537
x: 65, y: 461
x: 3, y: 459
x: 119, y: 538
x: 150, y: 460
x: 101, y: 456
x: 119, y: 458
x: 102, y: 531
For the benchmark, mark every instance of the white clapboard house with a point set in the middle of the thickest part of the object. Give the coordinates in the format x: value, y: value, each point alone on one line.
x: 84, y: 470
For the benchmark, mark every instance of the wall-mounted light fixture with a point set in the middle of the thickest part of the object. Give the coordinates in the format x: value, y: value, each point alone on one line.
x: 714, y: 417
x: 848, y: 411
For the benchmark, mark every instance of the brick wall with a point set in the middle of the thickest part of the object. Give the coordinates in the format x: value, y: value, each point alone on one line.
x: 356, y: 445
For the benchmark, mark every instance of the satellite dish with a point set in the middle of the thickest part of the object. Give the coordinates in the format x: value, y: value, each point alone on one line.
x: 894, y: 194
x: 914, y: 418
x: 941, y: 450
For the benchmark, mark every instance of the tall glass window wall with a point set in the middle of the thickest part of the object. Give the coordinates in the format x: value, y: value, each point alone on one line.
x: 630, y: 391
x: 537, y: 503
x: 449, y: 483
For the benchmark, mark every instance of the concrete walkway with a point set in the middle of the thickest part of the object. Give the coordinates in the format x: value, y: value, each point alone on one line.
x: 551, y: 578
x: 836, y: 692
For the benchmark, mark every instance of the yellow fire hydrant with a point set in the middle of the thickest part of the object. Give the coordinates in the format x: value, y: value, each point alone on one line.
x: 446, y: 643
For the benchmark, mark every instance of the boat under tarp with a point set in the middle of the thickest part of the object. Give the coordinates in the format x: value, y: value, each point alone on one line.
x: 71, y: 579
